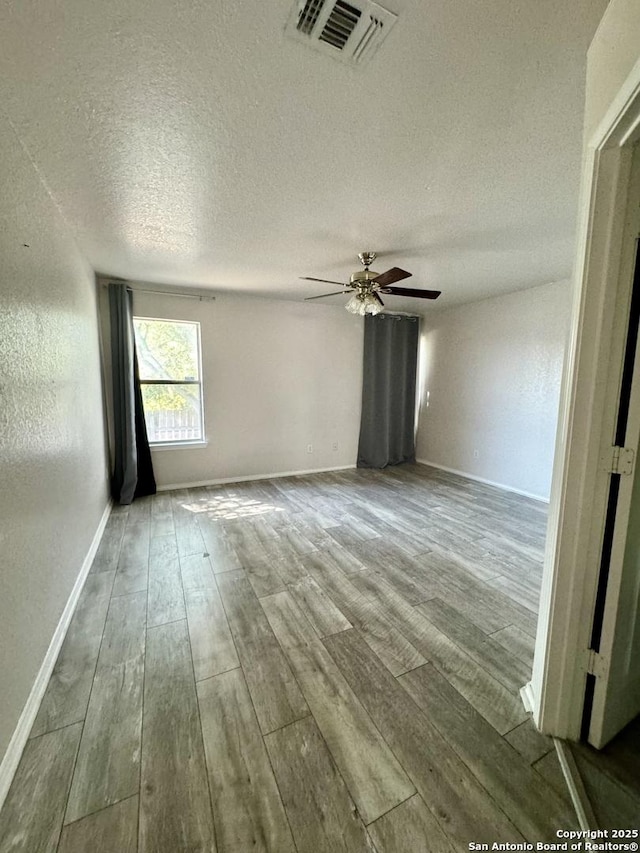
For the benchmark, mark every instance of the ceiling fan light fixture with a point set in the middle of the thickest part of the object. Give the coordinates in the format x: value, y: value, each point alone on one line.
x: 363, y: 303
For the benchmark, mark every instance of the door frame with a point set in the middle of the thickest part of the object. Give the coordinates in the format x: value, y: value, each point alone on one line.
x: 579, y: 489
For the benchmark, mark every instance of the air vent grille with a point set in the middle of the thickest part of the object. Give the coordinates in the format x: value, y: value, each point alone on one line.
x: 368, y: 37
x: 340, y: 24
x: 309, y: 16
x: 349, y: 31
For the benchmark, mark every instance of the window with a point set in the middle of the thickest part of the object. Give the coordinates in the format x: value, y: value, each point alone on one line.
x: 170, y: 375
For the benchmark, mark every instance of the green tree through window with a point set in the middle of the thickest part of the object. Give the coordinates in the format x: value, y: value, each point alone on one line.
x: 169, y: 363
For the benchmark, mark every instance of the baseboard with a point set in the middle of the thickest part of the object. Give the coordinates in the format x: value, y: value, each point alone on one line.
x: 502, y: 486
x: 528, y: 698
x: 251, y: 477
x: 20, y: 735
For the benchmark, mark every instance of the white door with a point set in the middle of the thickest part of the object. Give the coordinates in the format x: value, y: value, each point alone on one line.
x: 613, y: 686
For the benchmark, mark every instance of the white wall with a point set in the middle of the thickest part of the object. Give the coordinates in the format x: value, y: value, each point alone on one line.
x: 53, y: 487
x: 491, y: 371
x: 277, y: 376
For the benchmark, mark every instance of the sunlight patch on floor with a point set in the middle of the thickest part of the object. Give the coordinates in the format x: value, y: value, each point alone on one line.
x: 227, y: 508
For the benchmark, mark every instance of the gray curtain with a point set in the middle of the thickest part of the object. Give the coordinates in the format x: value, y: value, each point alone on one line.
x: 132, y: 468
x: 387, y: 429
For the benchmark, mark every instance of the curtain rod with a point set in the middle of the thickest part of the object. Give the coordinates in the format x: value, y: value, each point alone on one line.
x: 199, y: 296
x: 399, y: 315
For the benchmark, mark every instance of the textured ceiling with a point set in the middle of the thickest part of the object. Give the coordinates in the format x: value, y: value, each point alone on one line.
x: 193, y: 143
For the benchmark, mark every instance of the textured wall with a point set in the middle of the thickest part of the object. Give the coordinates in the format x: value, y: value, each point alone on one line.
x: 52, y: 458
x: 278, y: 376
x: 491, y: 371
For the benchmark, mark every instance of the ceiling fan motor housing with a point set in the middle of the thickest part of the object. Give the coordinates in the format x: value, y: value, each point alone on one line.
x: 361, y: 277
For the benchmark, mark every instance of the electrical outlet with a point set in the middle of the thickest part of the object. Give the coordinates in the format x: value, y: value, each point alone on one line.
x: 309, y: 448
x: 476, y: 454
x: 334, y: 446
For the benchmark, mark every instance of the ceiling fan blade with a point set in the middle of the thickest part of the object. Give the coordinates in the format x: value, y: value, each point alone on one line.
x: 375, y: 296
x: 391, y: 276
x: 322, y: 295
x: 324, y: 280
x: 409, y: 291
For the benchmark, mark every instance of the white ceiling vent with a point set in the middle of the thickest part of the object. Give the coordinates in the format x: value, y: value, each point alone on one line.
x: 349, y: 31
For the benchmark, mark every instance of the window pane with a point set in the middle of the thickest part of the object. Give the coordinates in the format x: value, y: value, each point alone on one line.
x: 166, y: 350
x: 172, y: 412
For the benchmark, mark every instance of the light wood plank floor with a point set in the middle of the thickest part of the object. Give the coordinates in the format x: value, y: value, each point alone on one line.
x: 316, y: 663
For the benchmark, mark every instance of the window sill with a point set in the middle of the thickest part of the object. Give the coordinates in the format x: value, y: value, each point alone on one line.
x: 178, y: 445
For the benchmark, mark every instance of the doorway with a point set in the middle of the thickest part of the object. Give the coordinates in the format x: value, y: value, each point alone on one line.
x: 588, y: 609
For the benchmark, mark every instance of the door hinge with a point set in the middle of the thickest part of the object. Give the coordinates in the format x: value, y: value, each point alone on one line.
x: 595, y: 664
x: 618, y: 460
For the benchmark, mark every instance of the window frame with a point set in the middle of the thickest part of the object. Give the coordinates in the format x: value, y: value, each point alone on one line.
x: 187, y: 442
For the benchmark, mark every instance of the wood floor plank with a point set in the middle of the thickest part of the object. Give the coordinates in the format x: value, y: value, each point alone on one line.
x: 34, y: 808
x: 512, y: 783
x: 196, y: 572
x: 522, y: 590
x: 352, y: 532
x: 319, y: 609
x: 134, y: 551
x: 161, y: 503
x: 273, y: 688
x: 616, y: 806
x: 505, y: 667
x: 467, y: 594
x: 163, y: 549
x: 162, y: 524
x: 499, y: 705
x: 188, y: 536
x: 245, y: 541
x: 467, y: 556
x: 514, y: 554
x: 549, y: 769
x: 175, y: 809
x: 293, y: 538
x: 309, y: 526
x: 462, y: 807
x: 166, y: 597
x: 320, y: 810
x: 106, y: 558
x: 140, y: 510
x: 221, y: 553
x: 372, y: 774
x: 114, y: 829
x: 180, y: 505
x: 342, y: 559
x: 291, y: 568
x: 516, y: 641
x: 130, y: 579
x: 386, y: 522
x: 264, y: 577
x: 67, y: 695
x: 387, y: 641
x: 108, y: 765
x: 409, y: 828
x: 408, y: 575
x: 212, y: 646
x: 620, y: 758
x: 529, y: 742
x: 247, y: 808
x: 484, y: 605
x: 264, y: 531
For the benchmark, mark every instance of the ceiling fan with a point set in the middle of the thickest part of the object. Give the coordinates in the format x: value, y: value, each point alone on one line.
x: 367, y: 285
